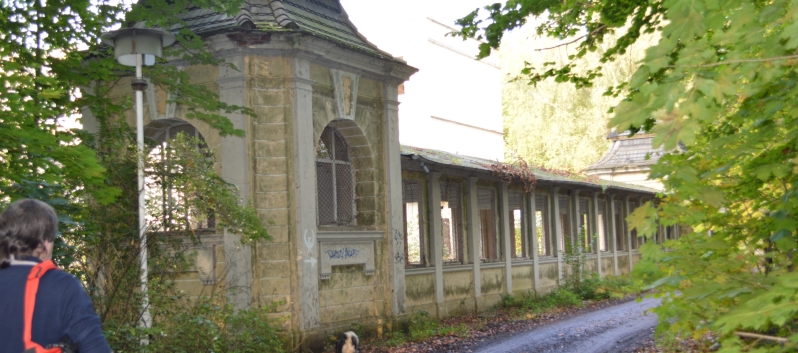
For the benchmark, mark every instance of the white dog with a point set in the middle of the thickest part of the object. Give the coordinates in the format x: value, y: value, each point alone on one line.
x: 347, y: 343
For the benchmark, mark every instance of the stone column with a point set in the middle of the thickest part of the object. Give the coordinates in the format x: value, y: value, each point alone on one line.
x: 612, y: 228
x: 304, y: 190
x: 393, y: 173
x: 558, y: 235
x: 504, y: 216
x: 435, y: 231
x: 533, y: 230
x: 236, y: 167
x: 474, y: 235
x: 593, y: 217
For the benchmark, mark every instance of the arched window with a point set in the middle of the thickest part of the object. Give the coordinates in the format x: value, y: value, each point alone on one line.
x: 176, y: 150
x: 335, y: 191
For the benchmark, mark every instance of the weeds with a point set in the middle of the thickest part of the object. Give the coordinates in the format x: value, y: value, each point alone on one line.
x: 590, y: 288
x: 422, y: 327
x: 560, y: 298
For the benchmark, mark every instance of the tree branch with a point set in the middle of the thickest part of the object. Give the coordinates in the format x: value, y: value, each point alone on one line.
x: 761, y: 337
x: 777, y: 58
x: 575, y: 40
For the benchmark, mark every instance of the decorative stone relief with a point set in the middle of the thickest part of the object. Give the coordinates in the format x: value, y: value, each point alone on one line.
x: 346, y: 253
x: 345, y: 91
x: 206, y: 264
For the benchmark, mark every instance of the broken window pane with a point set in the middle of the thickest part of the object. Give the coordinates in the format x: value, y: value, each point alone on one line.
x: 487, y: 224
x: 516, y: 204
x: 414, y: 239
x: 451, y: 220
x: 541, y: 225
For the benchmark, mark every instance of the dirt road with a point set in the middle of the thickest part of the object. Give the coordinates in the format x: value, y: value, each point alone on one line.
x: 613, y: 329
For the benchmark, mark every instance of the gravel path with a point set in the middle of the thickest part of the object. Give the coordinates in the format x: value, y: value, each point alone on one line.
x: 613, y: 329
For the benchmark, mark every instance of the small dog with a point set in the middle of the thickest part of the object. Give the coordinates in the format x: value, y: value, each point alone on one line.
x: 347, y: 343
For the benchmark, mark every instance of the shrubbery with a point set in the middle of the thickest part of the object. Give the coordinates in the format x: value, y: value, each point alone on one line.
x: 203, y: 327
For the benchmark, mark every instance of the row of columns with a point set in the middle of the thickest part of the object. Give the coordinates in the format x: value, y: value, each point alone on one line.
x: 473, y: 235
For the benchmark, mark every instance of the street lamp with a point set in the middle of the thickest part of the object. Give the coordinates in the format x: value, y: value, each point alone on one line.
x: 137, y: 47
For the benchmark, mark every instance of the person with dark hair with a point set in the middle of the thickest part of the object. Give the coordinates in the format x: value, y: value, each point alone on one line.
x: 59, y: 313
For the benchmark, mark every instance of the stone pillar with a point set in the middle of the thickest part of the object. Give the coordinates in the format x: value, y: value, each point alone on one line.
x: 593, y: 217
x: 435, y: 231
x: 236, y: 167
x: 473, y: 234
x: 533, y: 248
x: 612, y: 228
x: 504, y: 216
x: 625, y: 212
x: 393, y: 168
x: 304, y: 189
x: 558, y: 235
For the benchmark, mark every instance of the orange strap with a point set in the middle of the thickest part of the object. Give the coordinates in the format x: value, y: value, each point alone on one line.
x: 31, y: 289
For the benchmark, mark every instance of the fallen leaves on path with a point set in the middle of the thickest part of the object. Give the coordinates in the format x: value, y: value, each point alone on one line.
x: 483, y: 328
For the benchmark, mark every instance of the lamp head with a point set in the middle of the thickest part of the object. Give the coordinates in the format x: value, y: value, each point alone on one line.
x: 130, y: 42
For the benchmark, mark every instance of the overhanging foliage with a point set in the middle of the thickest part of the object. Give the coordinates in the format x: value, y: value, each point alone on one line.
x: 722, y: 82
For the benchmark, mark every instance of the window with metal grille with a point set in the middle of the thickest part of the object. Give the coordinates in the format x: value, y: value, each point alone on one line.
x: 451, y: 220
x: 545, y: 239
x: 335, y: 180
x: 517, y: 236
x: 415, y: 249
x: 168, y: 206
x: 488, y: 240
x: 619, y: 227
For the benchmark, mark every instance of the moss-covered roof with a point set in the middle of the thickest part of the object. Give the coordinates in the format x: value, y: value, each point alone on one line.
x: 626, y: 152
x: 542, y: 175
x: 323, y: 18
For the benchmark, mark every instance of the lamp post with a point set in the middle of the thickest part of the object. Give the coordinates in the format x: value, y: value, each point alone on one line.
x: 137, y: 47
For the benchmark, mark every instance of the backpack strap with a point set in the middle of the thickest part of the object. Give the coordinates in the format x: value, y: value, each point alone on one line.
x: 31, y: 289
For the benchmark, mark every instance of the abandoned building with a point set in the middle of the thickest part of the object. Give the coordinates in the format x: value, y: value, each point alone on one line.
x: 629, y: 160
x: 364, y: 230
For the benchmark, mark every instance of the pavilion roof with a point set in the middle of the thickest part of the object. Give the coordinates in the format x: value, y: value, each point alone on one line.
x: 323, y: 18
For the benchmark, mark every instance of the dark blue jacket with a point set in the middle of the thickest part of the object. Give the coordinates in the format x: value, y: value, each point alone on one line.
x: 62, y: 308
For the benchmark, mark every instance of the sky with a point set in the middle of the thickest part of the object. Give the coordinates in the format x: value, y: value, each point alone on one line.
x: 375, y: 18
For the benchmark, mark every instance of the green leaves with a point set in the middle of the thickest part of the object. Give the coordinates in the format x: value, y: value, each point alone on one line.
x: 644, y: 219
x: 718, y: 90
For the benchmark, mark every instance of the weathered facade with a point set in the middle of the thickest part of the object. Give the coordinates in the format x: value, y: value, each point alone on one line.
x: 499, y: 239
x: 364, y: 232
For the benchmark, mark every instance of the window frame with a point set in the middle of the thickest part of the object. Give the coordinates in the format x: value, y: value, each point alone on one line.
x: 620, y: 234
x: 522, y: 224
x: 603, y: 226
x: 544, y: 225
x: 565, y: 222
x: 456, y: 225
x: 494, y: 242
x: 161, y: 142
x: 423, y: 261
x: 334, y: 162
